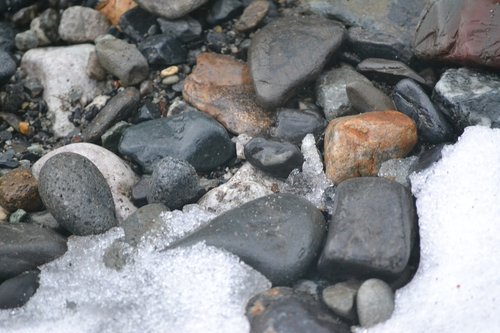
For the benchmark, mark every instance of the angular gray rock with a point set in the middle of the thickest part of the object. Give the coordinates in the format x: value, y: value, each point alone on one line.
x: 374, y: 302
x: 365, y: 97
x: 170, y: 9
x: 142, y: 221
x: 82, y: 24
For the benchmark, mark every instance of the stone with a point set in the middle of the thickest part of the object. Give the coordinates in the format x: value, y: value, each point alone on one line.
x: 191, y: 136
x: 224, y: 10
x: 119, y: 176
x: 114, y: 9
x: 365, y: 97
x: 221, y: 86
x: 7, y: 67
x: 122, y: 106
x: 148, y: 111
x: 174, y: 183
x: 7, y: 37
x: 140, y: 191
x: 142, y: 221
x: 19, y: 190
x: 16, y: 291
x: 428, y: 157
x: 45, y: 27
x: 26, y: 40
x: 24, y: 16
x: 186, y: 29
x: 94, y: 69
x: 138, y: 24
x: 398, y: 169
x: 19, y: 216
x: 172, y: 9
x: 371, y: 230
x: 44, y: 219
x: 76, y: 193
x: 279, y: 235
x: 163, y: 50
x: 341, y: 298
x: 331, y: 91
x: 61, y: 78
x: 25, y: 246
x: 285, y: 42
x: 111, y: 138
x: 82, y: 24
x: 283, y: 310
x: 390, y: 71
x: 463, y: 31
x: 357, y: 145
x: 274, y: 157
x: 168, y: 81
x: 252, y: 16
x: 374, y: 302
x: 293, y: 125
x: 432, y: 125
x: 122, y: 59
x: 468, y: 97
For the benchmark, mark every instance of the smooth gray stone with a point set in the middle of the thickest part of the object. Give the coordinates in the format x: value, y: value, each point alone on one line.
x: 341, y: 298
x: 365, y: 97
x: 389, y: 71
x: 142, y: 221
x: 293, y: 125
x: 82, y: 24
x: 171, y: 9
x: 15, y: 292
x: 374, y: 302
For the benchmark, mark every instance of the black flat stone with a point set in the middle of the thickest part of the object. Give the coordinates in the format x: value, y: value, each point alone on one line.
x: 16, y: 291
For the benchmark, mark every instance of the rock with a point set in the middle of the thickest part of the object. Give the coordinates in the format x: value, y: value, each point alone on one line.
x: 140, y: 191
x: 374, y: 302
x: 114, y: 9
x: 119, y: 177
x: 186, y: 29
x: 398, y: 169
x: 7, y: 37
x: 82, y: 24
x: 76, y: 194
x: 174, y: 183
x: 281, y: 310
x: 61, y: 78
x: 120, y: 107
x: 94, y: 69
x: 26, y: 40
x: 19, y: 190
x: 45, y: 27
x: 18, y: 216
x: 44, y: 219
x: 285, y: 42
x: 7, y: 159
x: 163, y: 50
x: 148, y: 111
x: 16, y: 291
x: 364, y: 97
x: 138, y: 24
x: 191, y: 136
x: 357, y: 145
x: 142, y: 221
x: 274, y: 157
x: 389, y: 71
x: 222, y: 87
x: 461, y: 31
x: 331, y: 90
x: 25, y: 246
x: 111, y: 138
x: 427, y: 158
x: 278, y: 235
x: 341, y: 298
x: 122, y: 59
x: 432, y: 125
x: 293, y: 125
x: 170, y: 9
x: 468, y: 98
x: 25, y: 15
x: 223, y: 10
x: 371, y: 231
x: 253, y: 14
x: 7, y: 67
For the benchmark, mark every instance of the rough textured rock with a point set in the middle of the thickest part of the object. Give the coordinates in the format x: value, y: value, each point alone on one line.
x: 278, y: 235
x: 365, y: 97
x: 16, y: 291
x: 341, y: 298
x: 82, y: 24
x: 280, y: 46
x: 357, y: 145
x: 45, y: 27
x: 371, y: 229
x: 222, y: 87
x: 19, y: 190
x: 374, y: 302
x: 390, y: 71
x: 186, y: 29
x: 76, y: 194
x: 253, y: 14
x: 171, y: 9
x: 142, y: 221
x: 293, y: 125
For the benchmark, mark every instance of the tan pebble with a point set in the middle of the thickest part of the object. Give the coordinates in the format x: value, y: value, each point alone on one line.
x: 169, y: 71
x: 170, y: 80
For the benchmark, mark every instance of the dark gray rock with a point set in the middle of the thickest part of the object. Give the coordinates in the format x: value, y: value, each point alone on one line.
x: 120, y: 107
x: 148, y: 111
x: 7, y: 67
x: 468, y: 98
x: 293, y: 125
x: 174, y: 183
x: 138, y: 24
x: 389, y: 71
x: 14, y: 5
x: 140, y: 191
x: 186, y: 29
x: 223, y: 10
x: 365, y: 97
x: 374, y: 302
x: 171, y: 9
x: 163, y: 50
x: 432, y: 125
x: 371, y: 230
x: 428, y: 158
x: 274, y: 157
x: 191, y: 136
x: 7, y: 36
x: 280, y: 46
x: 46, y: 26
x: 142, y: 221
x: 77, y: 194
x: 281, y: 310
x: 279, y: 235
x: 15, y: 292
x: 25, y: 246
x: 341, y: 298
x: 111, y: 138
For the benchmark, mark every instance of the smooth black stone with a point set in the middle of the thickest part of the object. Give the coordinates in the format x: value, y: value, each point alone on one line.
x: 147, y: 111
x: 137, y: 24
x: 274, y: 157
x: 432, y: 125
x: 279, y: 235
x: 283, y: 310
x: 7, y: 67
x: 120, y: 107
x: 15, y: 292
x: 187, y: 29
x: 389, y: 71
x: 25, y: 246
x: 163, y: 50
x: 428, y: 158
x: 293, y: 125
x: 191, y: 136
x: 76, y: 194
x: 142, y: 221
x: 371, y: 230
x: 140, y: 191
x: 223, y: 10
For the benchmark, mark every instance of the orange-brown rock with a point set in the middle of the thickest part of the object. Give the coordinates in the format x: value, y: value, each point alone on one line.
x: 114, y: 9
x: 357, y: 145
x: 19, y: 190
x: 221, y: 86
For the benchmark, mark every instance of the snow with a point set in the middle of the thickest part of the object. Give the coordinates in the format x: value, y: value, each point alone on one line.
x: 457, y: 285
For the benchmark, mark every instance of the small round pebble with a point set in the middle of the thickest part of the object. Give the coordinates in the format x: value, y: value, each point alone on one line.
x: 374, y: 302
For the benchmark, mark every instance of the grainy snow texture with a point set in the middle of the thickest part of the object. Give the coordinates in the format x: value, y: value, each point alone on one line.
x: 457, y: 285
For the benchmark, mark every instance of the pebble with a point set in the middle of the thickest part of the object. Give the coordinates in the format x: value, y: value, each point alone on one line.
x: 26, y: 40
x: 7, y: 67
x: 169, y: 71
x: 82, y: 24
x: 341, y: 298
x: 94, y: 69
x: 365, y: 97
x: 293, y: 125
x: 18, y: 216
x: 111, y: 138
x: 163, y: 50
x: 143, y: 221
x: 172, y: 9
x: 25, y: 246
x: 252, y: 16
x: 138, y: 24
x: 221, y: 86
x: 16, y: 291
x: 428, y: 157
x: 147, y: 111
x: 140, y: 191
x: 357, y: 145
x: 306, y: 41
x: 390, y: 71
x: 399, y: 170
x: 44, y: 219
x: 374, y: 302
x: 186, y: 29
x: 45, y: 27
x: 223, y: 10
x: 279, y: 235
x: 168, y: 81
x: 372, y: 229
x: 19, y: 190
